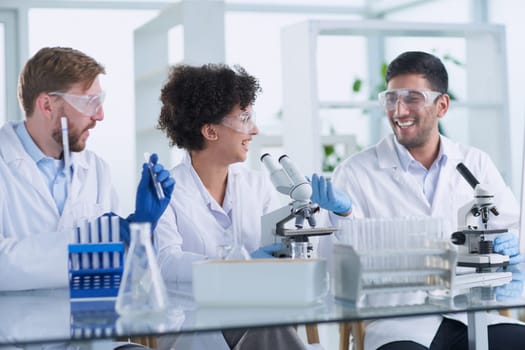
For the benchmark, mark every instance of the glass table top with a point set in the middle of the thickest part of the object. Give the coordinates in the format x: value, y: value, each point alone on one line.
x: 49, y: 315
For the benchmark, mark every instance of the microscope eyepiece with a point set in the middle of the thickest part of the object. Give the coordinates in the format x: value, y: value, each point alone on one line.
x: 467, y: 175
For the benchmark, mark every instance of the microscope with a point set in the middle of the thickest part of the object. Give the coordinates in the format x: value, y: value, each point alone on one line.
x: 474, y: 238
x: 289, y: 181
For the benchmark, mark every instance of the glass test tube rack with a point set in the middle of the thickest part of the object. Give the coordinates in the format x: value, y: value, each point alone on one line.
x: 380, y: 256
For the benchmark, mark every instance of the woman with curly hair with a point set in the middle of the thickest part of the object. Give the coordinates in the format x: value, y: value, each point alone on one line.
x: 208, y: 111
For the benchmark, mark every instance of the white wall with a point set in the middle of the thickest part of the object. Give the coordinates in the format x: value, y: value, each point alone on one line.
x: 510, y: 14
x: 3, y: 108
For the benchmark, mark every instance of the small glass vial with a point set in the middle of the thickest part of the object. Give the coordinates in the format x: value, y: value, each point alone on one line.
x: 142, y: 289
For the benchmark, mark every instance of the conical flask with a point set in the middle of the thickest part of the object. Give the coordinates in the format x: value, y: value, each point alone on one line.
x: 142, y: 289
x: 238, y: 251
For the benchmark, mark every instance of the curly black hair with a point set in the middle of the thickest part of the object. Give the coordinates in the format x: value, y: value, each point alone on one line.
x: 195, y: 96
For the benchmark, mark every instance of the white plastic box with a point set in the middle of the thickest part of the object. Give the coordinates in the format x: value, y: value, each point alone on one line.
x: 260, y: 282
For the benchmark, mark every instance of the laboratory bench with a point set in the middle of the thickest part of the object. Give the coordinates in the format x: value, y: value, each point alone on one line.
x: 32, y: 317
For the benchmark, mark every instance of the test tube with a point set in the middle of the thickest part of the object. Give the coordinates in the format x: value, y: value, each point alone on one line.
x: 108, y: 331
x: 65, y: 145
x: 104, y: 237
x: 84, y: 239
x: 87, y: 332
x: 73, y: 239
x: 156, y: 183
x: 115, y: 238
x: 95, y: 257
x: 98, y: 332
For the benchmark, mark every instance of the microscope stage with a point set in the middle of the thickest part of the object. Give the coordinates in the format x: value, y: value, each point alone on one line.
x: 320, y: 231
x: 483, y: 260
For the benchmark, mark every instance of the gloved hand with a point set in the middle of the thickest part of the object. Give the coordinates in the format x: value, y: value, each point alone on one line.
x: 148, y: 208
x: 514, y: 288
x: 328, y: 197
x: 266, y: 251
x: 508, y: 244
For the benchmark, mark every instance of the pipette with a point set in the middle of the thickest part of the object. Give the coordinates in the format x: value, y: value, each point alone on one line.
x: 156, y: 183
x: 67, y: 160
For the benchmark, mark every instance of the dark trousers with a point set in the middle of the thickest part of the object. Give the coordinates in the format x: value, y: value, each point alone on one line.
x: 452, y: 335
x: 275, y: 338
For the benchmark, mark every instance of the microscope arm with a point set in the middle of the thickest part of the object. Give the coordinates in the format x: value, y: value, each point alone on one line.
x: 270, y: 221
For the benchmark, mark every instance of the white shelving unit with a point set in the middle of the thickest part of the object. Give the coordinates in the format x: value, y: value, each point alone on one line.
x: 486, y: 100
x: 198, y: 19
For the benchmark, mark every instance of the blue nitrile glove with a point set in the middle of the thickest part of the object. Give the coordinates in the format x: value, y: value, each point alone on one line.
x: 514, y: 288
x: 266, y: 251
x: 329, y: 198
x: 508, y: 244
x: 148, y: 208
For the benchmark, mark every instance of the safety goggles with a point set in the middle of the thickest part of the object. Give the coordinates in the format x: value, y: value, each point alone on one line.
x: 243, y: 123
x: 85, y: 104
x: 412, y: 99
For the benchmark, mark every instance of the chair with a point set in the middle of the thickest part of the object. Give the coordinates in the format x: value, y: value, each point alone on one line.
x: 345, y: 328
x: 357, y: 329
x: 147, y: 341
x: 312, y: 333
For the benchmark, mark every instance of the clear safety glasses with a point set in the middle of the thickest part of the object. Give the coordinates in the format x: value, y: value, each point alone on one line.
x: 243, y: 123
x: 85, y: 104
x: 411, y: 99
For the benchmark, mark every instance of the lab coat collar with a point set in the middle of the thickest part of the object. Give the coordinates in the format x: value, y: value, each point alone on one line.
x: 13, y: 150
x: 186, y: 160
x: 21, y: 163
x: 78, y: 161
x: 386, y: 153
x: 208, y: 199
x: 27, y: 142
x: 405, y: 158
x: 451, y: 149
x: 388, y: 156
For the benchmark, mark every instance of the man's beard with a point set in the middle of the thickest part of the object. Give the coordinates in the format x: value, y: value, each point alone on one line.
x: 419, y: 140
x: 73, y: 138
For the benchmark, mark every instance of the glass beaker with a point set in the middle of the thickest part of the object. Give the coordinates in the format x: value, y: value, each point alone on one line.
x: 237, y: 251
x: 300, y: 250
x: 142, y: 289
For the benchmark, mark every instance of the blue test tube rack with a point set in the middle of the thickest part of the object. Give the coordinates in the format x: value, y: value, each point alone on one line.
x: 90, y: 282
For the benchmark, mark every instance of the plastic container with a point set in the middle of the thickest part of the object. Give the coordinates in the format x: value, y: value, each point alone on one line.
x: 260, y: 282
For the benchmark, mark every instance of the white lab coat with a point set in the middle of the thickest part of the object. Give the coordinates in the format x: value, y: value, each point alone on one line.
x: 189, y: 232
x: 379, y: 187
x: 33, y: 235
